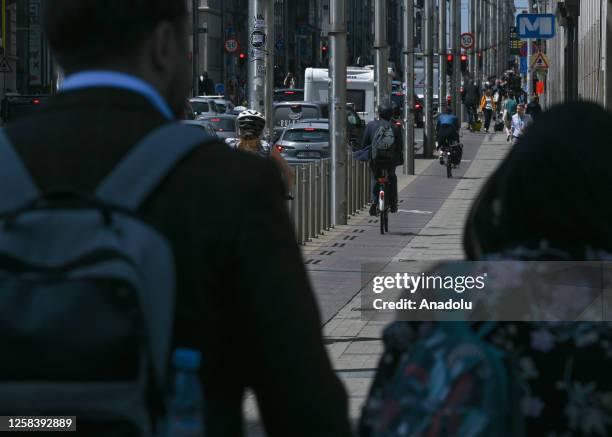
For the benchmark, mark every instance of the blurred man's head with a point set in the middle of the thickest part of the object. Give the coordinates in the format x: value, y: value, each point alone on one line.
x: 146, y: 38
x: 385, y: 111
x: 520, y: 109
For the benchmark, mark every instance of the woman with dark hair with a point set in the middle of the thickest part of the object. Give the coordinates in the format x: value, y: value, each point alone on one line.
x: 548, y: 201
x: 551, y: 200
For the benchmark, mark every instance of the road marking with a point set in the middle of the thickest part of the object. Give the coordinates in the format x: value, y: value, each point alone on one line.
x: 414, y: 211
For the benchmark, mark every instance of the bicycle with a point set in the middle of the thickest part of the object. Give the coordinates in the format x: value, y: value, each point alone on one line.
x: 383, y: 206
x: 449, y: 157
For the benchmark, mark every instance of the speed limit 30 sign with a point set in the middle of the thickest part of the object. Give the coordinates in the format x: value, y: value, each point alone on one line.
x: 231, y: 45
x: 467, y: 40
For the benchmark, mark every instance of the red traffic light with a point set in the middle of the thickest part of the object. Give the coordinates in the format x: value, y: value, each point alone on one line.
x: 242, y: 55
x: 449, y: 58
x: 463, y: 58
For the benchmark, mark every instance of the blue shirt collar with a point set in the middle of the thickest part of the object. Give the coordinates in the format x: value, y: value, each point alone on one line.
x: 115, y: 79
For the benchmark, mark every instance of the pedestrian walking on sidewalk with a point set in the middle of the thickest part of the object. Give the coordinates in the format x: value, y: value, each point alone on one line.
x: 509, y: 110
x: 488, y: 107
x: 235, y: 287
x: 549, y: 201
x: 520, y: 121
x: 472, y: 99
x: 533, y: 108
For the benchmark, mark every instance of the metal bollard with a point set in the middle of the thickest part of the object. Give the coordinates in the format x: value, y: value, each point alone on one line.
x: 295, y: 205
x: 354, y: 190
x: 303, y: 205
x: 313, y: 202
x: 317, y: 215
x: 328, y: 217
x: 326, y: 173
x: 358, y: 184
x: 309, y: 204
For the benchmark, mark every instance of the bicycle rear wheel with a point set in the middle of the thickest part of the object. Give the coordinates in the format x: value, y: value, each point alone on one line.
x: 386, y: 220
x: 449, y: 167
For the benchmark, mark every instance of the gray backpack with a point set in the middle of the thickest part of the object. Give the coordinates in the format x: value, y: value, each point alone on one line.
x: 87, y: 291
x: 383, y: 144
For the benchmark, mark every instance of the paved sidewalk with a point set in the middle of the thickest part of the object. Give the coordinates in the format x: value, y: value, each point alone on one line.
x: 428, y: 227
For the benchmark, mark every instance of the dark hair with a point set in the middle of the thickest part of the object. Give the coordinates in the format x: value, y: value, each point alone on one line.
x: 385, y: 111
x: 89, y: 33
x: 553, y: 185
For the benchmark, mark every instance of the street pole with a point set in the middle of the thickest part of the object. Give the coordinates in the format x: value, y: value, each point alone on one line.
x: 457, y: 59
x: 494, y: 33
x: 408, y: 52
x: 337, y: 114
x: 428, y: 137
x: 269, y: 68
x: 477, y: 41
x: 381, y: 49
x: 529, y: 54
x: 257, y: 55
x: 472, y: 27
x: 286, y: 34
x: 442, y: 51
x: 195, y: 51
x: 453, y: 51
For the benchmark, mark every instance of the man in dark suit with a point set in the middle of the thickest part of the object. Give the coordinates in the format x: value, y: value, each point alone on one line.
x: 243, y: 295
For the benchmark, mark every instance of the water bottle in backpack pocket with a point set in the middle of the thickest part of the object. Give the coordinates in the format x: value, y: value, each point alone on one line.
x: 87, y: 293
x: 383, y: 144
x: 186, y: 404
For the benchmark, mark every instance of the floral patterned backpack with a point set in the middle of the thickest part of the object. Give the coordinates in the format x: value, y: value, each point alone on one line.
x: 445, y: 380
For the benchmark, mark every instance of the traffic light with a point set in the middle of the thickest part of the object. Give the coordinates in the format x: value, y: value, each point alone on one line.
x: 449, y: 65
x: 324, y: 50
x: 242, y: 57
x: 464, y: 60
x: 479, y: 55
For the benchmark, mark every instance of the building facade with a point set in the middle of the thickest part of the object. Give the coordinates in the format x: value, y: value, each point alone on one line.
x: 581, y: 52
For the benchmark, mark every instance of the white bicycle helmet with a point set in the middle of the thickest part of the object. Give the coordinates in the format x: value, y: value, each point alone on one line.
x: 250, y: 124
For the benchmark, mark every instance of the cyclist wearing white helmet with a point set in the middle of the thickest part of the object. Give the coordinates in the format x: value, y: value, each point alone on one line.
x: 250, y: 125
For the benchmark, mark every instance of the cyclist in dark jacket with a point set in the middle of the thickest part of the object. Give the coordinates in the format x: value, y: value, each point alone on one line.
x: 448, y: 133
x: 385, y: 113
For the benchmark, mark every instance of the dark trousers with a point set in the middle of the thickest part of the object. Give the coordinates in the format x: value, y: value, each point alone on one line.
x: 471, y: 111
x: 376, y: 172
x: 488, y: 113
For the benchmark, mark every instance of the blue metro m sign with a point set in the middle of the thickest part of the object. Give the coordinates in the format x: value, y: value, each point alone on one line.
x: 535, y: 26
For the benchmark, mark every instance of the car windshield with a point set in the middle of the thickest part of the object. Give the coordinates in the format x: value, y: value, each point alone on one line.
x: 307, y: 135
x: 287, y: 115
x: 221, y: 107
x: 222, y: 124
x: 200, y: 107
x: 289, y: 96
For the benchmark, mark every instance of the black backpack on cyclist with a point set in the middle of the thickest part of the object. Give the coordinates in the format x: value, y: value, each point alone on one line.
x: 383, y: 144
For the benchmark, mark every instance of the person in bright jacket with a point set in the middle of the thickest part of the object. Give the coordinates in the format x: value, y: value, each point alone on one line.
x: 487, y: 106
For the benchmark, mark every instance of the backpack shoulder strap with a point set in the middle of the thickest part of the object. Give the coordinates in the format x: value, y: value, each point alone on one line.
x: 16, y: 185
x: 149, y: 161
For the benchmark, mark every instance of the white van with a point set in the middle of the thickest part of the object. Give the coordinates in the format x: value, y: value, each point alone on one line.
x: 359, y: 88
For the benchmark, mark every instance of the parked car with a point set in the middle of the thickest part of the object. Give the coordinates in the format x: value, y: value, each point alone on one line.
x: 203, y: 106
x: 15, y: 106
x: 223, y: 106
x: 224, y: 125
x: 289, y: 113
x: 289, y: 95
x: 206, y: 126
x: 305, y: 141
